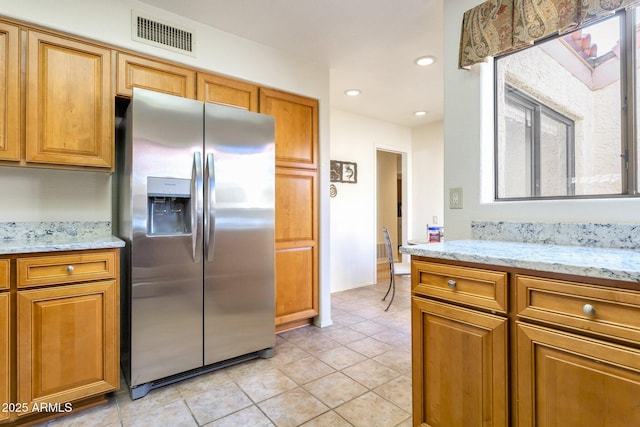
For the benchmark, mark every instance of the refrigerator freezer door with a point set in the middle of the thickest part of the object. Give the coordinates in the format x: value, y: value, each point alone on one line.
x: 239, y: 257
x: 166, y: 280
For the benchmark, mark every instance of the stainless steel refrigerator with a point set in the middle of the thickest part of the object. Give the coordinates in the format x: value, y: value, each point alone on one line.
x: 195, y: 185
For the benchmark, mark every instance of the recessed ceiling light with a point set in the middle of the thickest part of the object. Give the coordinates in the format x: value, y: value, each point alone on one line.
x: 420, y: 113
x: 425, y: 60
x: 352, y: 92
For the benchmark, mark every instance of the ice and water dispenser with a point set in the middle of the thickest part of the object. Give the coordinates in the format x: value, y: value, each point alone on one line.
x: 168, y: 206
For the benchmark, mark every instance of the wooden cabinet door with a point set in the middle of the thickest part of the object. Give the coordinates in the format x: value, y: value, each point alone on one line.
x: 566, y: 380
x: 69, y: 102
x: 10, y: 91
x: 4, y: 354
x: 68, y: 342
x: 296, y: 235
x: 460, y: 372
x: 225, y: 91
x: 136, y: 71
x: 296, y: 121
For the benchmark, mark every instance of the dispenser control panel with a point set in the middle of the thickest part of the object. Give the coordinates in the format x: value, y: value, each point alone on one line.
x: 168, y: 206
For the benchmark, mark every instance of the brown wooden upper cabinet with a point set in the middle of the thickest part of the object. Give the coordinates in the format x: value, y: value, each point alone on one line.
x: 225, y: 91
x: 137, y: 71
x: 69, y: 102
x: 296, y: 120
x: 10, y: 90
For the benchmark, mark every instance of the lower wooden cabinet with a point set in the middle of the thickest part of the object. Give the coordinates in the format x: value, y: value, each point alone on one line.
x: 460, y: 369
x: 570, y: 381
x: 5, y: 328
x: 67, y: 342
x: 555, y: 352
x: 59, y: 332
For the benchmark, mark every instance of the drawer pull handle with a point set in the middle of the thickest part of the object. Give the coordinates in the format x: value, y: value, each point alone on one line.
x: 589, y: 310
x: 70, y: 269
x: 451, y: 283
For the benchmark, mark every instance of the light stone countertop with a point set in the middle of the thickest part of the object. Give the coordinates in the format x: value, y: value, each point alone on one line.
x: 605, y: 263
x: 23, y: 237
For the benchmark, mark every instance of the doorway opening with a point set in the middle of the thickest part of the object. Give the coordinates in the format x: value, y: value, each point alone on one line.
x: 391, y: 206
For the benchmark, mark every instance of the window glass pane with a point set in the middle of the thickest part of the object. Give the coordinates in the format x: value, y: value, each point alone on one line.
x: 577, y: 146
x: 553, y: 158
x: 515, y: 153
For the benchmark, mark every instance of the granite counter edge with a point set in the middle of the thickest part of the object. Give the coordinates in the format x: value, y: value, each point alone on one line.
x: 629, y: 274
x: 23, y: 247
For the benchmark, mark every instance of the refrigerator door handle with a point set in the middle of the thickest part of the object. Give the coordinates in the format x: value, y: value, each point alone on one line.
x: 210, y: 216
x: 196, y: 206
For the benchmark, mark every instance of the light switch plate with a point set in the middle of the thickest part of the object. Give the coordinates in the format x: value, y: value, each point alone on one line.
x: 455, y: 198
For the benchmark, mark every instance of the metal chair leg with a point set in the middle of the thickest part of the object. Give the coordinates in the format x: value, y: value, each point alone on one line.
x: 390, y: 282
x: 393, y: 293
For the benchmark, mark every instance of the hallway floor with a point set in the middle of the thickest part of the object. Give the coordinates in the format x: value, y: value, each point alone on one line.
x: 356, y: 372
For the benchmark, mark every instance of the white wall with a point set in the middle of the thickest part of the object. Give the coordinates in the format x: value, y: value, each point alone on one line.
x: 53, y: 195
x: 47, y: 195
x: 428, y: 178
x: 468, y: 133
x: 353, y: 234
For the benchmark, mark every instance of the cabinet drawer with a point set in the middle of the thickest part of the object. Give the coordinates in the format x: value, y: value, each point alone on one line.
x: 471, y: 286
x: 4, y: 274
x: 602, y: 310
x: 53, y: 270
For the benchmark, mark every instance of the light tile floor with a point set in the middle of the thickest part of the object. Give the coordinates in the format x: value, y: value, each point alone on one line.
x: 356, y: 372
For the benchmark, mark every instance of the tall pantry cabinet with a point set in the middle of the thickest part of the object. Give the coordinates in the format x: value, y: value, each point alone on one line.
x: 296, y: 123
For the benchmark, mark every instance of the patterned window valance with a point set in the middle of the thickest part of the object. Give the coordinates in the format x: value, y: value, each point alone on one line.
x: 499, y: 26
x: 486, y: 29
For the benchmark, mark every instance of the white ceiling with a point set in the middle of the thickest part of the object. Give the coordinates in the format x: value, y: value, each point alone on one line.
x: 367, y: 44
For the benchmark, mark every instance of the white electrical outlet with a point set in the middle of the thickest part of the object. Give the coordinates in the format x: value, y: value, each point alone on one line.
x: 455, y: 198
x: 435, y: 219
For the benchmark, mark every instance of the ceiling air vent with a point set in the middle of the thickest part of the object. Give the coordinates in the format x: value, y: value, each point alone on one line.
x: 156, y: 33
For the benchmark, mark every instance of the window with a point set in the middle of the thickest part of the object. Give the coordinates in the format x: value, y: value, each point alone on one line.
x: 564, y: 123
x: 537, y: 149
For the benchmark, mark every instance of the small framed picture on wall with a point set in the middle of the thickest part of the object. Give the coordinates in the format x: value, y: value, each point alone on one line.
x: 346, y: 172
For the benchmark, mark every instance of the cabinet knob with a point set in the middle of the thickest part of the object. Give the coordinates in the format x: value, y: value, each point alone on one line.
x: 70, y: 269
x: 589, y: 310
x: 451, y: 283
